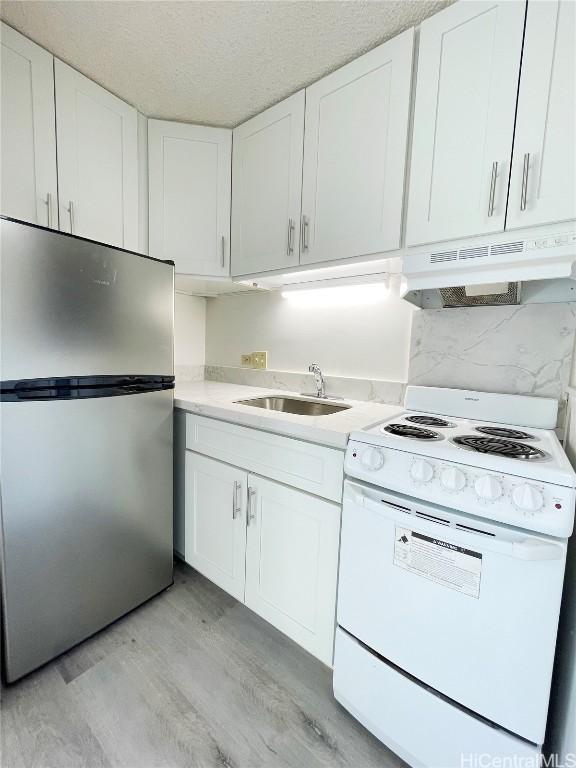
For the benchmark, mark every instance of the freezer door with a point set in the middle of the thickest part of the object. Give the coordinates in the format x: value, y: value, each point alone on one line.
x: 71, y: 307
x: 86, y: 518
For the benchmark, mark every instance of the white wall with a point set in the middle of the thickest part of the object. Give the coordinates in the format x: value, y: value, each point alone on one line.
x: 189, y: 334
x: 359, y: 341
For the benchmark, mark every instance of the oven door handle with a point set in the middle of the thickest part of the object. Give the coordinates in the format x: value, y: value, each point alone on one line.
x: 529, y: 550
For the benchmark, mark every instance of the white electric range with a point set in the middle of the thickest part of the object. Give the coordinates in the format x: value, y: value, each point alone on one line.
x: 454, y: 531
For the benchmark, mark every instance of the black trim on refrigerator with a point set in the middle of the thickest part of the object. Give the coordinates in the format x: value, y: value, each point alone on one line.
x: 81, y: 387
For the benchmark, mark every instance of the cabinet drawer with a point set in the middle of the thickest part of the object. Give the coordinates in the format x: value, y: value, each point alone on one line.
x: 312, y: 468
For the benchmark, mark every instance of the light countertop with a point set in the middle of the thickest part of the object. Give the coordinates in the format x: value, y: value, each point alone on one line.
x: 216, y: 400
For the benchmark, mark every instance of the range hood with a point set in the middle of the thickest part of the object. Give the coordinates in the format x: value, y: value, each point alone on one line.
x: 528, y: 266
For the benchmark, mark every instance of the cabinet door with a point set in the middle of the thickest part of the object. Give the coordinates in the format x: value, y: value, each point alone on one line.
x: 189, y: 170
x: 266, y: 188
x: 97, y: 161
x: 28, y: 130
x: 215, y: 522
x: 292, y: 563
x: 355, y: 154
x: 543, y: 179
x: 468, y: 67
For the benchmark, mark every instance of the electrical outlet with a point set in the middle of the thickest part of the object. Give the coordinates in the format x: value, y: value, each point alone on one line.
x: 246, y: 361
x: 259, y: 359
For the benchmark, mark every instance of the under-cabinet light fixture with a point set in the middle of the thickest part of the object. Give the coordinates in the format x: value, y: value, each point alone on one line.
x: 365, y: 294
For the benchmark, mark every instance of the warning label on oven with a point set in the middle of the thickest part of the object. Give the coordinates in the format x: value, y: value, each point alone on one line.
x: 444, y: 563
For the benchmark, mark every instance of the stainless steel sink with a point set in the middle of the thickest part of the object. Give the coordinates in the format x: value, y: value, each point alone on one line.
x: 294, y: 405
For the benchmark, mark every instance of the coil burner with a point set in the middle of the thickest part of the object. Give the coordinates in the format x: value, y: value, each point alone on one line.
x: 415, y: 433
x: 496, y: 446
x: 428, y: 421
x: 506, y: 432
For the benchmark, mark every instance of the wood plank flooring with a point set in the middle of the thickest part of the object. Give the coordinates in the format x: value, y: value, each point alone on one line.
x: 192, y: 679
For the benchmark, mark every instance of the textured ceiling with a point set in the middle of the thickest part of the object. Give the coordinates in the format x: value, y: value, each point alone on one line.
x: 216, y: 62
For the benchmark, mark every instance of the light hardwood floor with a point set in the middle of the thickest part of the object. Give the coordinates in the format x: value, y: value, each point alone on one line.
x: 193, y: 679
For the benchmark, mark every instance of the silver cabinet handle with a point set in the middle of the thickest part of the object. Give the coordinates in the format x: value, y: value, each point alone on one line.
x: 305, y: 224
x: 525, y: 171
x: 492, y: 188
x: 49, y: 207
x: 236, y: 500
x: 70, y: 210
x: 251, y: 511
x: 223, y: 250
x: 291, y: 228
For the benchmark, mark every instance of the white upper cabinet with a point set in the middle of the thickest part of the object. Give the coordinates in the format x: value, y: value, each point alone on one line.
x: 468, y: 68
x: 543, y: 178
x: 266, y: 188
x: 355, y: 155
x: 28, y: 150
x: 97, y: 161
x: 189, y: 169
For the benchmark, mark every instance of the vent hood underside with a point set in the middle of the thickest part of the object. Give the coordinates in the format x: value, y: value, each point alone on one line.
x: 536, y: 269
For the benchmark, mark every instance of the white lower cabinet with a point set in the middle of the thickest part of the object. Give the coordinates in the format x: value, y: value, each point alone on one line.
x: 291, y: 563
x: 271, y: 546
x: 215, y: 535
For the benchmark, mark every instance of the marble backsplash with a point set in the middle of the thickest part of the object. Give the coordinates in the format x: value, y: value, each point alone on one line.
x: 524, y: 349
x: 372, y: 390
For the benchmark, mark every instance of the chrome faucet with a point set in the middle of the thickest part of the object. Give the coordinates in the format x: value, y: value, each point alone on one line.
x: 314, y: 369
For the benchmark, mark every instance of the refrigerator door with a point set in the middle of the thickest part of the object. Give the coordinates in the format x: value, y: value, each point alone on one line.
x: 72, y: 307
x: 86, y: 517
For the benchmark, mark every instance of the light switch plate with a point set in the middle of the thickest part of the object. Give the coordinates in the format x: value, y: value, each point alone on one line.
x: 246, y: 360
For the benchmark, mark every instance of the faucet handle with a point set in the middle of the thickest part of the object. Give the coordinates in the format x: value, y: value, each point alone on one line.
x: 313, y: 368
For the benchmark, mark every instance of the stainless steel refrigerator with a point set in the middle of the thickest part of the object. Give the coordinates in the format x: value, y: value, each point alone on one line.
x: 86, y: 363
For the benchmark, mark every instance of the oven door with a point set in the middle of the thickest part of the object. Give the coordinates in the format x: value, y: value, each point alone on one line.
x: 466, y: 606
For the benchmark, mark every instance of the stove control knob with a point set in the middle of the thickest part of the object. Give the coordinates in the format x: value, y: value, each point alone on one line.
x: 528, y: 498
x: 488, y: 487
x: 372, y: 459
x: 421, y: 471
x: 452, y: 479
